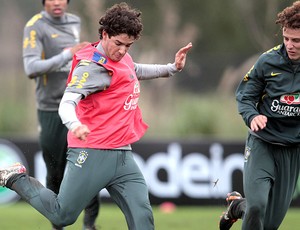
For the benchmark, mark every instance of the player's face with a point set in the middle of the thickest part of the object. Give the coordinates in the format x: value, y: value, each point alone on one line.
x: 115, y: 47
x: 56, y: 8
x: 291, y: 40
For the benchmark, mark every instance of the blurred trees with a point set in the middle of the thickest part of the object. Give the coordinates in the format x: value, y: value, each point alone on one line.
x: 227, y: 37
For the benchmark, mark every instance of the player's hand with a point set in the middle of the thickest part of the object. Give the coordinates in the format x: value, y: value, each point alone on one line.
x: 258, y: 122
x: 180, y: 56
x: 79, y: 46
x: 81, y: 132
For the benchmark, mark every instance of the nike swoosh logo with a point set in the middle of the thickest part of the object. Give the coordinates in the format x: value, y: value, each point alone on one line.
x: 275, y: 74
x: 54, y: 35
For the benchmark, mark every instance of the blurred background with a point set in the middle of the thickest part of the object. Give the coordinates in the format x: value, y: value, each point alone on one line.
x: 199, y: 102
x: 196, y: 107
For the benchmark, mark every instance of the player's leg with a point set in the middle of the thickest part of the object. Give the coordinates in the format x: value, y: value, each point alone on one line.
x: 93, y: 172
x: 42, y: 199
x: 130, y: 192
x: 258, y: 178
x: 53, y: 142
x: 76, y: 191
x: 287, y: 163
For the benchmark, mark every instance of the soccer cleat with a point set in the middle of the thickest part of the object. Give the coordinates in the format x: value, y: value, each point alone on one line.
x: 227, y: 220
x: 6, y: 173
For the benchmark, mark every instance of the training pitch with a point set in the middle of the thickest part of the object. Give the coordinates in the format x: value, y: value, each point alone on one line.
x: 21, y: 216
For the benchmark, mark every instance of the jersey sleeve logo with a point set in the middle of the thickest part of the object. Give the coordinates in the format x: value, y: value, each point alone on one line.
x: 31, y: 40
x: 99, y: 58
x: 79, y: 81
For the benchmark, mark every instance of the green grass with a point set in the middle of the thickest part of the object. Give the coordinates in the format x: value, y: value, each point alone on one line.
x: 22, y: 216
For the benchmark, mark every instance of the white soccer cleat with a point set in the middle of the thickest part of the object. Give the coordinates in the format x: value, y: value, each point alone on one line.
x: 6, y: 173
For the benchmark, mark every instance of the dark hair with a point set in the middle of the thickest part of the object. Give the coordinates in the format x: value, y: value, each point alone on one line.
x: 290, y: 16
x: 121, y: 19
x: 43, y: 1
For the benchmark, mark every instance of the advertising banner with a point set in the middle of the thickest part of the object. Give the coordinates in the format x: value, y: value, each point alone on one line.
x: 183, y: 172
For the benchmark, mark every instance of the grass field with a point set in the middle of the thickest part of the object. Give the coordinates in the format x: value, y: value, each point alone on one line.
x: 22, y: 216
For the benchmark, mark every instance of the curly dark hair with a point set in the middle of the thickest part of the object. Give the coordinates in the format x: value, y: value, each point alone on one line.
x: 290, y: 16
x: 121, y: 19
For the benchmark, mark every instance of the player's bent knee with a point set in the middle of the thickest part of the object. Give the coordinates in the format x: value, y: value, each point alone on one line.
x: 64, y: 219
x: 56, y: 214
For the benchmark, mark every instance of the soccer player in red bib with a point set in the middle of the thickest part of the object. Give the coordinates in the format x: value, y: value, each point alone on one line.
x: 100, y: 109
